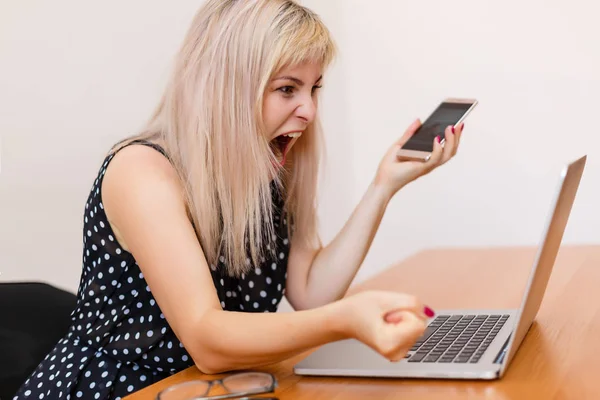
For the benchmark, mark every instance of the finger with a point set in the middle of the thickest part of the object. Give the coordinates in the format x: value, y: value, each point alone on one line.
x: 410, y: 131
x: 457, y: 135
x: 413, y: 327
x: 400, y: 354
x: 392, y: 153
x: 395, y: 317
x: 449, y: 144
x: 409, y: 331
x: 397, y: 302
x: 436, y: 155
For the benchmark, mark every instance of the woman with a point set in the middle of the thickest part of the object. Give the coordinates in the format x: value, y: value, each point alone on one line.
x: 195, y: 228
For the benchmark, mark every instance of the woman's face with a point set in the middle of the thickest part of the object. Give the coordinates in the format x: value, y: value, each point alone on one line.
x: 290, y: 105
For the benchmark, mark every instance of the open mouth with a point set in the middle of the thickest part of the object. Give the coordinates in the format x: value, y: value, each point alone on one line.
x: 282, y: 144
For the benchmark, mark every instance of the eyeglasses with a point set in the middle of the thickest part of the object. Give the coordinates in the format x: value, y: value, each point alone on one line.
x: 236, y: 385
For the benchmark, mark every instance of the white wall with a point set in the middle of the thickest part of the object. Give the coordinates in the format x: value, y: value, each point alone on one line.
x: 533, y: 66
x: 77, y: 76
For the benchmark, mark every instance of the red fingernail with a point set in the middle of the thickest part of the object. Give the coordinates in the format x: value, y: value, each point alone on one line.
x: 429, y: 312
x: 463, y: 126
x: 453, y: 129
x: 437, y: 138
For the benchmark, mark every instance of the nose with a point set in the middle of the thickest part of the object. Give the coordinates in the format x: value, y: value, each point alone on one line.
x: 307, y: 109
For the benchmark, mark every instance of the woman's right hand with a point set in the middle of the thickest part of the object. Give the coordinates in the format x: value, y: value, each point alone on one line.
x: 388, y: 322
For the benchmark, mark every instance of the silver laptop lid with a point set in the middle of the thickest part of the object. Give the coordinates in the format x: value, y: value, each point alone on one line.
x: 546, y: 255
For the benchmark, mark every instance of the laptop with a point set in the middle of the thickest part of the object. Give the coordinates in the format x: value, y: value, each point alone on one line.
x: 462, y: 344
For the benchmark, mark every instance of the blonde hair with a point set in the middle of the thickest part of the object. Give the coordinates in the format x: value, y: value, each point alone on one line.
x: 210, y: 123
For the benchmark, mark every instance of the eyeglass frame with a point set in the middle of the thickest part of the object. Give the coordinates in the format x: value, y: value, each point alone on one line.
x: 212, y: 382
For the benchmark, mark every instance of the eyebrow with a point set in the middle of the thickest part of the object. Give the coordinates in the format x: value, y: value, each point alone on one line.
x: 295, y: 80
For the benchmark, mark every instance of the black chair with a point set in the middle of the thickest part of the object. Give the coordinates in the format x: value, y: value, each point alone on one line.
x: 33, y: 318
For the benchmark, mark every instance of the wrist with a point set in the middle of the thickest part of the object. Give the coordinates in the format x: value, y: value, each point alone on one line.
x: 338, y: 320
x: 381, y: 192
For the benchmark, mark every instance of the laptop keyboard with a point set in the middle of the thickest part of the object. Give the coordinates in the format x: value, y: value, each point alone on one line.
x: 457, y: 338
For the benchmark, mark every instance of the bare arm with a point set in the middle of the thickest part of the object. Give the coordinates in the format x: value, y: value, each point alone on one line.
x: 237, y: 340
x: 321, y: 276
x: 143, y: 200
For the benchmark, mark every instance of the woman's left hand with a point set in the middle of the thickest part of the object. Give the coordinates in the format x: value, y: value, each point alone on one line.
x: 394, y: 174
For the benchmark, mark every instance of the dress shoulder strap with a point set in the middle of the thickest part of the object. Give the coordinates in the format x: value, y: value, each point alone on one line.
x: 150, y: 144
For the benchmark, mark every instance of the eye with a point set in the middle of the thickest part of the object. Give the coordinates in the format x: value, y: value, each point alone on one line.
x: 288, y: 90
x: 316, y: 87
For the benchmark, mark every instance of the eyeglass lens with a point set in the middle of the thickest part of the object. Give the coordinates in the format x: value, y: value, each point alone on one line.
x: 247, y: 382
x: 240, y: 383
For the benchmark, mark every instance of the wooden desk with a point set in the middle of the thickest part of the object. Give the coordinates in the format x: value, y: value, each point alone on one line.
x: 558, y: 359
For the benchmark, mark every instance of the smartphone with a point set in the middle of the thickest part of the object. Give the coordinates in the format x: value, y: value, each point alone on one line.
x: 451, y: 111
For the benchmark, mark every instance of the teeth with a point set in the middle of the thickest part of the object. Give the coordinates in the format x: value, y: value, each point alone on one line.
x: 293, y: 135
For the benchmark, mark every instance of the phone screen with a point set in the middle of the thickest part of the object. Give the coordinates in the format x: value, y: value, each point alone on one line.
x: 445, y: 114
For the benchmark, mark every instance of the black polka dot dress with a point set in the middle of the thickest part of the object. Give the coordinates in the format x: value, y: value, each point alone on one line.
x: 119, y: 341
